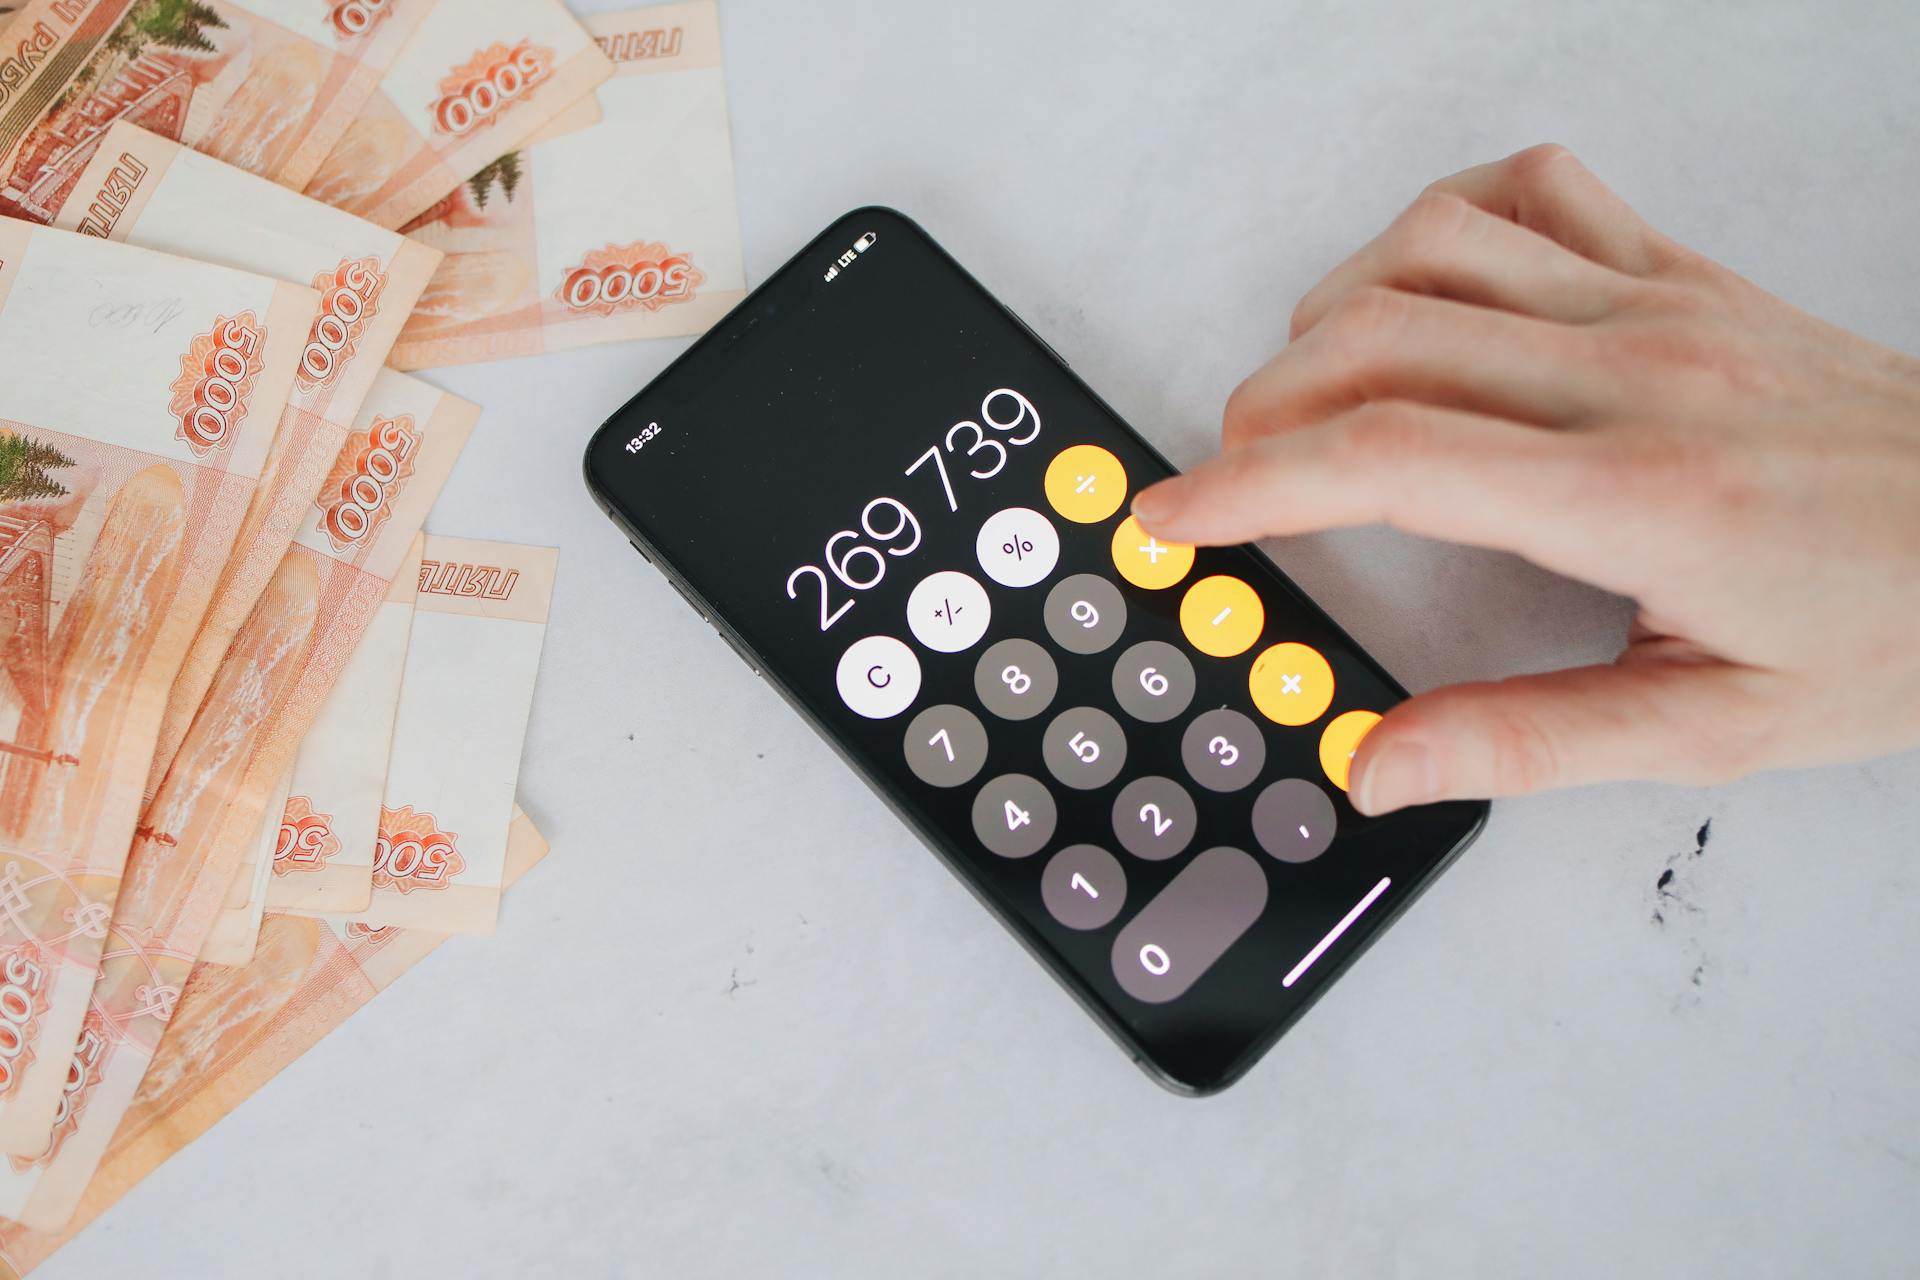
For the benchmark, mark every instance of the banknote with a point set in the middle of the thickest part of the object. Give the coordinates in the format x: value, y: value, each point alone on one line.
x: 266, y: 85
x: 478, y: 625
x: 233, y: 1030
x: 323, y: 846
x: 346, y: 757
x: 216, y: 793
x: 625, y: 230
x: 477, y: 80
x: 136, y: 412
x: 210, y: 804
x: 146, y: 190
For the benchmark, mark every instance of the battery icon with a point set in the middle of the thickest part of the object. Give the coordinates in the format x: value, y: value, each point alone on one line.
x: 865, y: 242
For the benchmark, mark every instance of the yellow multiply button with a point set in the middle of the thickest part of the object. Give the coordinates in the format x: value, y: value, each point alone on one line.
x: 1086, y: 484
x: 1145, y: 561
x: 1222, y: 616
x: 1291, y: 684
x: 1341, y: 739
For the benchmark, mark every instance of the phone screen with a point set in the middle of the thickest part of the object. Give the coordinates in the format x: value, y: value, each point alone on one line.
x: 912, y: 518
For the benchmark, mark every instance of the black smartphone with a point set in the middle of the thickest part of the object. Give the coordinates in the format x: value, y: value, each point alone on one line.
x: 903, y: 510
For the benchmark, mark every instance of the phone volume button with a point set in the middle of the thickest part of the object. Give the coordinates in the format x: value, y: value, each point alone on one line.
x: 1035, y: 335
x: 681, y: 592
x: 635, y: 544
x: 737, y: 651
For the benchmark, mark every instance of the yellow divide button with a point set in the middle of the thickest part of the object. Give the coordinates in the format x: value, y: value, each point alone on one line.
x: 1341, y: 739
x: 1147, y: 562
x: 1291, y: 684
x: 1222, y: 616
x: 1086, y: 484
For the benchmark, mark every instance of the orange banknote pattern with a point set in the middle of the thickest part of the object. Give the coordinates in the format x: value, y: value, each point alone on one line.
x: 115, y: 516
x: 265, y: 85
x: 168, y: 197
x: 209, y: 807
x: 478, y: 79
x: 554, y: 246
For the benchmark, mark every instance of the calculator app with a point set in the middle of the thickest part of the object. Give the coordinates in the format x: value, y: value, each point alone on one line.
x: 914, y: 519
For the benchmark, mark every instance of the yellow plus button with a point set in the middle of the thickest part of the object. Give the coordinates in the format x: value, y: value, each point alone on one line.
x: 1222, y: 616
x: 1147, y: 562
x: 1341, y: 739
x: 1086, y: 484
x: 1291, y: 684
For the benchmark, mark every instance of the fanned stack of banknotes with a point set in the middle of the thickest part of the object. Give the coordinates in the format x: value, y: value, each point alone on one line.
x: 260, y: 735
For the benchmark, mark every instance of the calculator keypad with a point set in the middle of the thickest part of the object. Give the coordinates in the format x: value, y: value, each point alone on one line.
x: 1094, y: 633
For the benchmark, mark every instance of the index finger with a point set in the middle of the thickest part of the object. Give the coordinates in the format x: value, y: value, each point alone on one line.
x: 1443, y: 473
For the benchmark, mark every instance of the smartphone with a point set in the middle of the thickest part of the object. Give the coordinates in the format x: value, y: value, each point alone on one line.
x: 904, y: 511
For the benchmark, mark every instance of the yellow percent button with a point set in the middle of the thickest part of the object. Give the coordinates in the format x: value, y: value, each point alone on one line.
x: 1291, y: 684
x: 1086, y: 484
x: 1145, y: 561
x: 1222, y: 616
x: 1341, y: 739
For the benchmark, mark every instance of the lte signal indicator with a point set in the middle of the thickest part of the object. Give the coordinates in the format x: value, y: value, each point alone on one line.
x: 846, y: 259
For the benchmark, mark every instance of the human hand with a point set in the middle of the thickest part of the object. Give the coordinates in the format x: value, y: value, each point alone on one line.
x: 1521, y: 362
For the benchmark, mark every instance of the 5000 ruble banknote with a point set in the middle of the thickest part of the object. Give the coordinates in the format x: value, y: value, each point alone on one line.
x: 209, y: 807
x: 479, y: 622
x: 266, y: 85
x: 624, y: 230
x: 323, y: 838
x: 148, y: 191
x: 121, y: 492
x: 479, y: 78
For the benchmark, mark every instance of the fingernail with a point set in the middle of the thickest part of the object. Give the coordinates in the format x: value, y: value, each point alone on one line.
x: 1402, y: 774
x: 1158, y: 503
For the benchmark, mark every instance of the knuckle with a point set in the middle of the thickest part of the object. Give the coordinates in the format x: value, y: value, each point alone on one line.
x: 1541, y: 166
x: 1431, y: 222
x: 1364, y: 322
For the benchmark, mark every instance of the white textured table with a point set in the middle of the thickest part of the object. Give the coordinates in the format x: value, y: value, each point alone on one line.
x: 743, y: 1024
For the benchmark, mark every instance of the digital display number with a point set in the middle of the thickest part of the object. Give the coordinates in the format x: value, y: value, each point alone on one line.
x: 889, y: 527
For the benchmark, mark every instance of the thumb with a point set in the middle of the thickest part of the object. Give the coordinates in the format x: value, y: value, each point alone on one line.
x: 1670, y: 721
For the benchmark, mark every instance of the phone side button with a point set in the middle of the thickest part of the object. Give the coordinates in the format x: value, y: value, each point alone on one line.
x: 688, y: 600
x: 737, y: 651
x: 642, y: 550
x: 1035, y: 335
